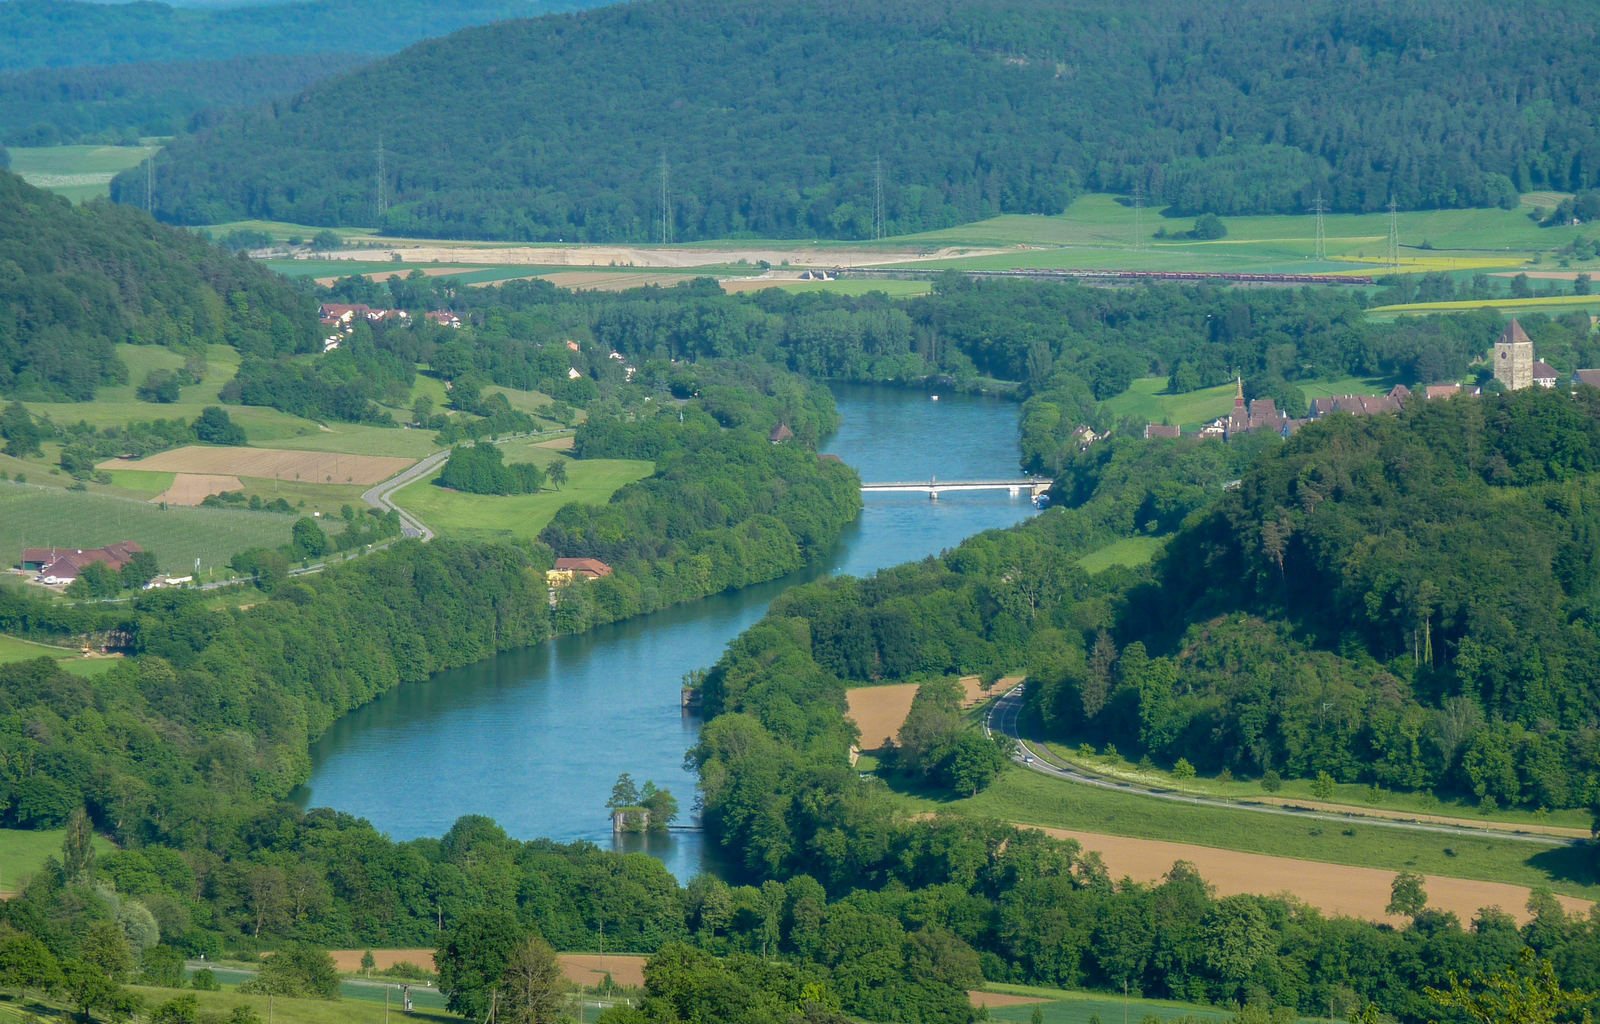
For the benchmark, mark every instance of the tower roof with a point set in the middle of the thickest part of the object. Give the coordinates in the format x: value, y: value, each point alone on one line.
x: 1514, y: 335
x: 1238, y: 395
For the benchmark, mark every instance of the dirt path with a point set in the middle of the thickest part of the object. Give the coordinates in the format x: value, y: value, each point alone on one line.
x: 1331, y: 888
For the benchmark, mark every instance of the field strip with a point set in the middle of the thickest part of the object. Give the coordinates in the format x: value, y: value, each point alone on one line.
x: 880, y: 711
x: 1331, y: 888
x: 270, y: 463
x: 193, y: 488
x: 652, y: 257
x: 987, y: 999
x: 626, y: 969
x: 1433, y: 819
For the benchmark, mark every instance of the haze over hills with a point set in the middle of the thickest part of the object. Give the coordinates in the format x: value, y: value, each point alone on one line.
x: 773, y: 119
x: 69, y: 33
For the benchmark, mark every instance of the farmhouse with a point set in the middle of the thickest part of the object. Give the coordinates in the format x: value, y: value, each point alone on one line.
x: 63, y: 565
x: 1161, y: 430
x: 569, y: 569
x: 780, y: 434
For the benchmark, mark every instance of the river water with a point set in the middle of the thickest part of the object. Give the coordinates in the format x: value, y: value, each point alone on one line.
x: 535, y: 738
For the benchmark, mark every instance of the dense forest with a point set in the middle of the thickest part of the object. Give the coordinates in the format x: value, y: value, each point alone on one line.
x: 72, y: 33
x: 122, y: 103
x: 75, y: 281
x: 775, y: 120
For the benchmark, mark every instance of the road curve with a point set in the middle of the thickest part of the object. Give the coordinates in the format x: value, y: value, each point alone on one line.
x: 380, y: 495
x: 1004, y: 713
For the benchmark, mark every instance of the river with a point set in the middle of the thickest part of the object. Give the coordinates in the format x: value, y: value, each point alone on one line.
x: 535, y: 738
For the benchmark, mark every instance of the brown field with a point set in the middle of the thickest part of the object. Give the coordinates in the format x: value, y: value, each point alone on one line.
x: 558, y: 444
x: 1540, y: 275
x: 193, y: 488
x: 590, y: 968
x: 583, y: 280
x: 987, y: 999
x: 349, y: 960
x: 272, y: 463
x: 880, y: 711
x: 625, y: 969
x: 609, y: 256
x: 381, y: 276
x: 1331, y: 888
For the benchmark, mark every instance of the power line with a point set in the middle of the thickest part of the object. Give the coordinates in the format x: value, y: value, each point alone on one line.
x: 1138, y: 217
x: 380, y: 197
x: 1321, y: 247
x: 1394, y: 235
x: 666, y: 208
x: 877, y: 201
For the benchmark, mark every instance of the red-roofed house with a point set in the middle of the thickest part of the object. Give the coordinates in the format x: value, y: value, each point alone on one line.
x: 1161, y: 430
x: 66, y: 565
x: 589, y: 568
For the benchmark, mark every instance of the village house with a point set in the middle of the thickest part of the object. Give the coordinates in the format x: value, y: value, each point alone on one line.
x: 444, y: 318
x: 1161, y: 430
x: 63, y: 565
x: 569, y: 569
x: 1544, y: 375
x: 1362, y: 405
x: 780, y: 434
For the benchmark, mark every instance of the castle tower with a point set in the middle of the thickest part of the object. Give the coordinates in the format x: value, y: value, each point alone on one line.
x: 1513, y: 358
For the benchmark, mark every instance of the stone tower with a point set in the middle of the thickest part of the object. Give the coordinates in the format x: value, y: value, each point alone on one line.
x: 1513, y: 358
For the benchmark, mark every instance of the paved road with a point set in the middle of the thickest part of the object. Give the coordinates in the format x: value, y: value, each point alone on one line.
x: 379, y: 496
x: 1005, y: 712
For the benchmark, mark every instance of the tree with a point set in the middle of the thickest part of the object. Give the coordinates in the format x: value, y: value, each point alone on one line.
x: 184, y: 1009
x: 159, y: 386
x: 161, y: 966
x: 25, y: 963
x: 533, y: 985
x: 557, y: 473
x: 77, y: 847
x: 138, y: 570
x: 94, y: 580
x: 368, y: 962
x: 1406, y: 895
x: 473, y: 958
x: 307, y: 538
x: 1208, y: 226
x: 661, y: 804
x: 21, y: 434
x: 422, y: 410
x: 1530, y: 995
x: 214, y: 426
x: 624, y: 793
x: 326, y: 241
x: 300, y: 969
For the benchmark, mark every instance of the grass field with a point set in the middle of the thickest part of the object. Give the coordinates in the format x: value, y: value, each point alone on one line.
x: 1552, y: 304
x: 40, y: 517
x: 23, y: 852
x: 1030, y: 798
x: 488, y: 516
x: 358, y: 1005
x: 15, y: 649
x: 1060, y: 1006
x: 1129, y: 551
x: 77, y: 172
x: 1147, y: 399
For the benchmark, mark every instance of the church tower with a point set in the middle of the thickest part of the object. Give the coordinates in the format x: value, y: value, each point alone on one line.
x: 1513, y: 358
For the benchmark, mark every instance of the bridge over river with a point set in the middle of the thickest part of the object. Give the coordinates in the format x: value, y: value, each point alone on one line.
x: 934, y: 487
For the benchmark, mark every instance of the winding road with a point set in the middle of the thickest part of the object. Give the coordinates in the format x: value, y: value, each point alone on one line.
x: 380, y: 496
x: 1003, y: 716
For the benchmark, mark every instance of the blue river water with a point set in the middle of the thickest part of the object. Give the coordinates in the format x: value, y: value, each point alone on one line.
x: 535, y: 738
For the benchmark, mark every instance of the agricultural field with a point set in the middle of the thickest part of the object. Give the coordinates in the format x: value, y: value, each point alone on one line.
x: 880, y: 711
x: 521, y: 516
x: 41, y: 517
x: 77, y: 172
x: 1016, y: 1003
x: 272, y: 464
x: 1032, y: 799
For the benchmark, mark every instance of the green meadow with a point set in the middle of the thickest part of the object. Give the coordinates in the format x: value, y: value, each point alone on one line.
x: 522, y: 516
x: 24, y: 851
x: 15, y: 649
x: 76, y: 172
x: 1129, y: 551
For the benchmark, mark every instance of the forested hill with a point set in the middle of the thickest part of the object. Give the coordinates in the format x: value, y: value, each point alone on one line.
x: 75, y: 281
x: 772, y: 118
x: 70, y: 33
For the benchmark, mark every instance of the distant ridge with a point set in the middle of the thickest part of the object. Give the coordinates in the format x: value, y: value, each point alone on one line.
x: 771, y: 119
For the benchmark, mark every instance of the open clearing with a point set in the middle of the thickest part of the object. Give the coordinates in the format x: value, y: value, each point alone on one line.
x: 880, y: 711
x: 24, y: 851
x: 494, y: 516
x: 587, y: 969
x: 193, y: 488
x: 1332, y: 888
x: 16, y: 649
x: 1017, y: 1003
x: 271, y: 463
x: 77, y: 172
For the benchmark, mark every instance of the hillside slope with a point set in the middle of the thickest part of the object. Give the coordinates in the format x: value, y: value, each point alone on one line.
x: 773, y: 119
x: 75, y: 281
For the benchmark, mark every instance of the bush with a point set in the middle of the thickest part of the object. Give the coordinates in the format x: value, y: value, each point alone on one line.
x: 205, y: 980
x: 1271, y: 781
x: 1183, y: 769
